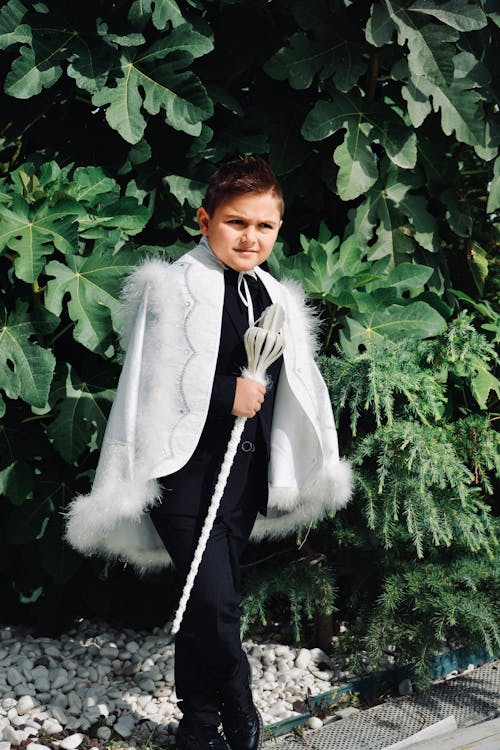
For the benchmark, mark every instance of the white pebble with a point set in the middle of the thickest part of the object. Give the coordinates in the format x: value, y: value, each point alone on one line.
x: 319, y: 657
x: 36, y: 746
x: 147, y: 685
x: 14, y: 677
x: 42, y: 685
x: 51, y: 726
x: 38, y: 672
x: 103, y: 709
x: 143, y: 700
x: 59, y: 677
x: 281, y: 665
x: 124, y: 726
x: 92, y: 674
x: 23, y: 689
x: 323, y: 675
x: 75, y: 722
x: 10, y: 735
x: 169, y: 677
x: 314, y: 722
x: 303, y: 658
x: 58, y: 714
x: 71, y: 742
x: 276, y: 708
x: 109, y: 651
x: 25, y: 704
x: 74, y: 699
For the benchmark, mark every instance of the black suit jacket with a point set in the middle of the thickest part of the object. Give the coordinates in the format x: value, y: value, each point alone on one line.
x: 189, y: 490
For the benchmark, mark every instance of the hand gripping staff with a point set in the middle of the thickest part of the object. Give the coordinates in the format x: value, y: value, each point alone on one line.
x: 264, y: 344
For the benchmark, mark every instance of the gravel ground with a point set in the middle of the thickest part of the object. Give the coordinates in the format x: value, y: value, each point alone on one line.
x: 97, y: 684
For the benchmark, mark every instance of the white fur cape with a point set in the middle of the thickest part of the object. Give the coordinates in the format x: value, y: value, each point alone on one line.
x: 171, y: 319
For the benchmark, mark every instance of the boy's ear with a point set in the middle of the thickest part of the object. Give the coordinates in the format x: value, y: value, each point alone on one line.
x: 203, y: 220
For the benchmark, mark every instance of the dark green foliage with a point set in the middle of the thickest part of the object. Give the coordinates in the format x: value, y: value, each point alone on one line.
x: 302, y: 588
x: 381, y: 380
x: 381, y: 121
x: 422, y: 608
x: 415, y: 466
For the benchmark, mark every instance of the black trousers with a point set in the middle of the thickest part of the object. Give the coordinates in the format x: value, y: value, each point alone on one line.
x: 208, y: 652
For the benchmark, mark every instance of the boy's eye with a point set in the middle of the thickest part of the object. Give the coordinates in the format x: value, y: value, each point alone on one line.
x: 241, y: 223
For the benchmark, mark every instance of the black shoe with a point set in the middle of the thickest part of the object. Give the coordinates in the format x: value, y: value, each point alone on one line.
x: 200, y: 737
x: 242, y: 723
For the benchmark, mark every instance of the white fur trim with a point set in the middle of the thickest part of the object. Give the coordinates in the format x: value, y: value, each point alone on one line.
x: 295, y: 508
x: 145, y: 274
x: 90, y: 518
x: 137, y: 543
x: 309, y: 315
x: 97, y: 525
x: 145, y: 561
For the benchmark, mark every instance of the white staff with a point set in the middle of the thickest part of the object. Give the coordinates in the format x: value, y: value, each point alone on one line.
x: 264, y: 344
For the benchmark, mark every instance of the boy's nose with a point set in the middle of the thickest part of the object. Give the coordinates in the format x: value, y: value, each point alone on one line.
x: 248, y: 236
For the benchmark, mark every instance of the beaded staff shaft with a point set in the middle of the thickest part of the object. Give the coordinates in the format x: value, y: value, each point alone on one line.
x: 263, y: 344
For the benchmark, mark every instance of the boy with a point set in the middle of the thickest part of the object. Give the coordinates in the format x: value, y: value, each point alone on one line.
x: 178, y: 394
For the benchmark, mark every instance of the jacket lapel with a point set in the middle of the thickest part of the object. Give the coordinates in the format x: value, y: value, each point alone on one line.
x: 236, y: 315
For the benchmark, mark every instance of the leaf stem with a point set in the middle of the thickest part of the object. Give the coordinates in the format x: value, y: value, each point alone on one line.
x: 372, y: 76
x: 37, y: 292
x: 268, y: 557
x: 82, y: 99
x: 331, y: 327
x: 35, y: 417
x: 62, y: 331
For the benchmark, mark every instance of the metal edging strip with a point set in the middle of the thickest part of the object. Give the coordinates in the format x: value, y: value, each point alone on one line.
x: 443, y: 664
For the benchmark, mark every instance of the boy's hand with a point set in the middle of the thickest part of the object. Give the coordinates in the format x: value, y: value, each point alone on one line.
x: 248, y: 398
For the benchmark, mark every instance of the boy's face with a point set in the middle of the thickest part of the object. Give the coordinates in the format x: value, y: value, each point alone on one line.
x: 243, y: 229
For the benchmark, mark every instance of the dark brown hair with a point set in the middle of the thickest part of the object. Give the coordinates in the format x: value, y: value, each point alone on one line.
x: 247, y: 174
